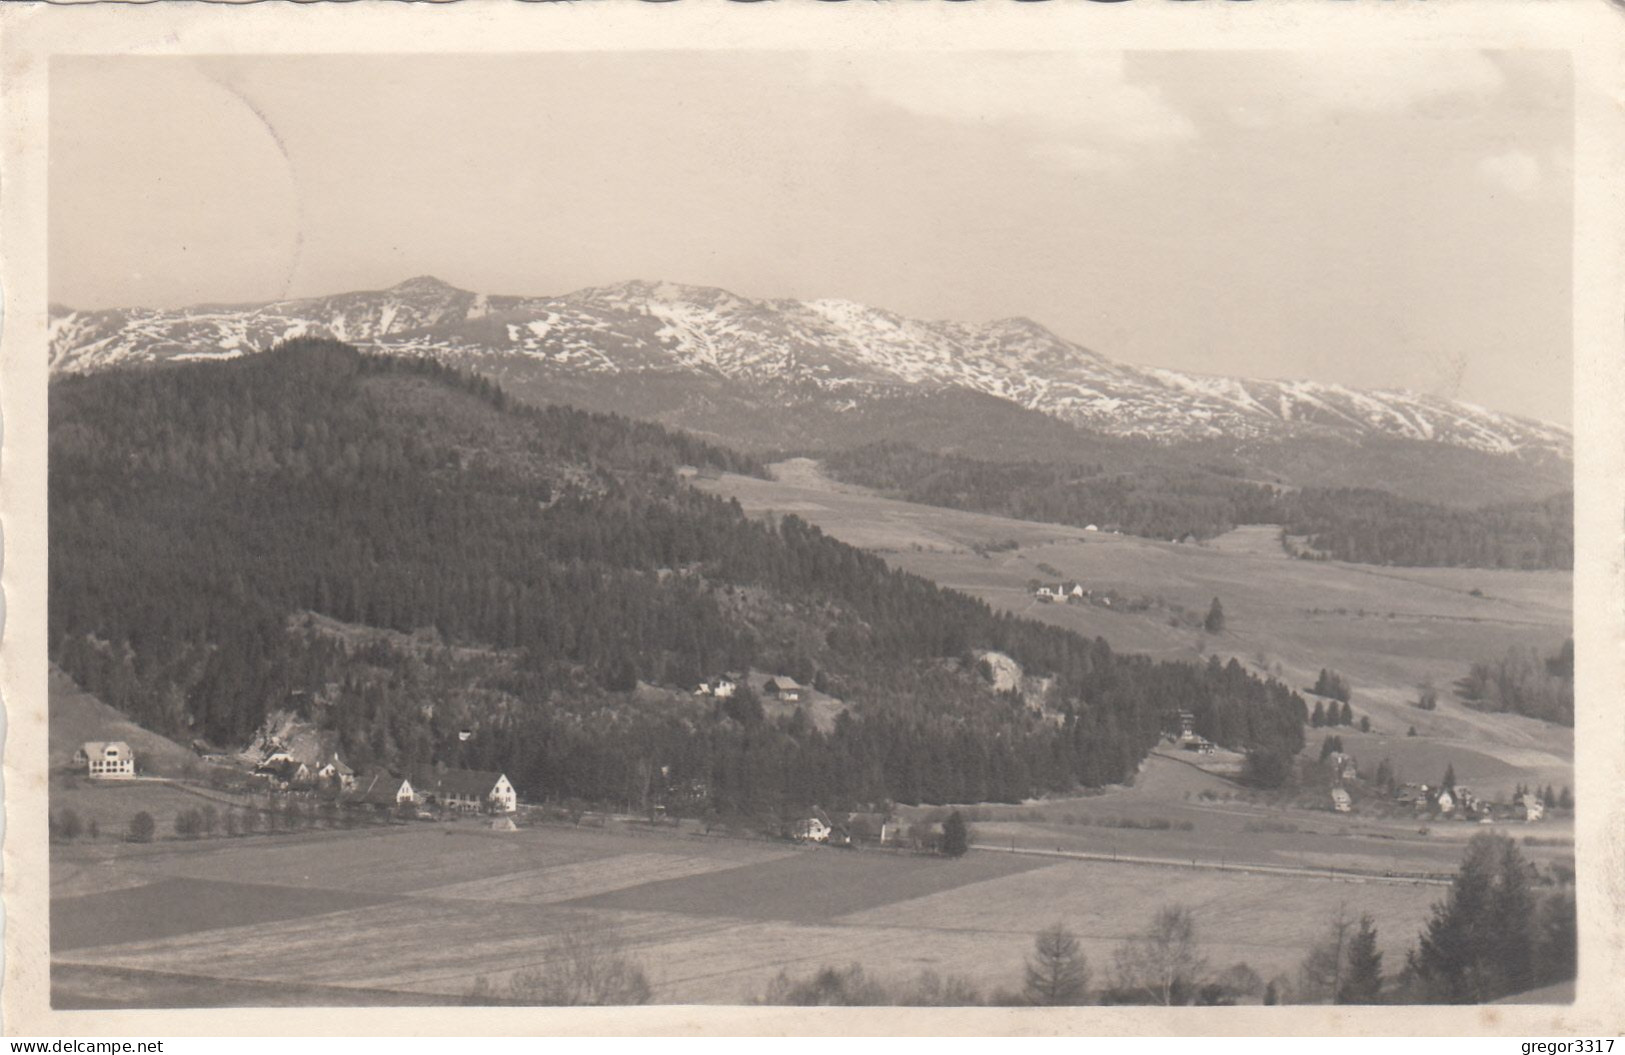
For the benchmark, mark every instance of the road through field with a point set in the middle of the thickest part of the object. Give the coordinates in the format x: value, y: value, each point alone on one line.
x: 1331, y: 872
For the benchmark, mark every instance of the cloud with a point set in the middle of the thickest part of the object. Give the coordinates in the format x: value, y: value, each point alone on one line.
x: 1077, y: 108
x: 1517, y: 171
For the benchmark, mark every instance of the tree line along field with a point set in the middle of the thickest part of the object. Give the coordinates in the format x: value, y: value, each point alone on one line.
x: 446, y: 910
x: 1170, y: 502
x: 1385, y: 629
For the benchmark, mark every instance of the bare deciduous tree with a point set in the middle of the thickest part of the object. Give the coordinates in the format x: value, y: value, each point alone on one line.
x: 1162, y: 963
x: 585, y: 965
x: 1320, y: 977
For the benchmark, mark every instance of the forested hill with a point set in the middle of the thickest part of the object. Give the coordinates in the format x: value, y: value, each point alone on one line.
x: 397, y: 552
x: 1364, y: 525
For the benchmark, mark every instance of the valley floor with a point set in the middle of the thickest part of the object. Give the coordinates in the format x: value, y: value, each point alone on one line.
x: 436, y: 910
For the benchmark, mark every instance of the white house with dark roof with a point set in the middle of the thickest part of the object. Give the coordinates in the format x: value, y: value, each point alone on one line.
x: 335, y: 773
x: 106, y: 759
x: 466, y: 790
x: 380, y: 791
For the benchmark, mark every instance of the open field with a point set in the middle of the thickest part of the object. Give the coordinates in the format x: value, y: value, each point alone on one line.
x: 1386, y: 629
x: 370, y: 916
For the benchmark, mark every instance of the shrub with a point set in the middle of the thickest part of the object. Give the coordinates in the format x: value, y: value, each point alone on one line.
x: 188, y: 824
x: 67, y: 826
x: 142, y: 828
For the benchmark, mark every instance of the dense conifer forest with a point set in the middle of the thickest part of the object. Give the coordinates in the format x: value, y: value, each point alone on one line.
x: 400, y: 554
x: 1364, y: 525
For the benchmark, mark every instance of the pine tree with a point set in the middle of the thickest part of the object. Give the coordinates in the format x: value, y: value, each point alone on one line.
x: 1317, y: 717
x: 1347, y: 717
x: 1362, y: 983
x: 1512, y: 917
x: 1449, y: 783
x: 1214, y: 623
x: 1057, y: 971
x: 1557, y: 941
x: 1478, y: 942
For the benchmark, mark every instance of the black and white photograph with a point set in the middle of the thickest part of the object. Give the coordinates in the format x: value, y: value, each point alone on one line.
x: 875, y: 526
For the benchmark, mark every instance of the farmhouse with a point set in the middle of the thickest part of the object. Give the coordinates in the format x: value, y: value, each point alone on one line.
x: 812, y: 830
x: 466, y: 790
x: 284, y: 772
x: 1446, y: 802
x: 106, y: 759
x: 1530, y: 807
x: 784, y: 688
x: 871, y: 827
x: 380, y: 791
x: 1417, y: 793
x: 335, y: 774
x: 1341, y: 802
x: 721, y: 688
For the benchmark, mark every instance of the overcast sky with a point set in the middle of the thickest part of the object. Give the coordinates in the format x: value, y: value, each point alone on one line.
x: 1254, y: 214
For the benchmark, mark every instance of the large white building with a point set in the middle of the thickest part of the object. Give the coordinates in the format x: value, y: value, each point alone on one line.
x: 104, y: 759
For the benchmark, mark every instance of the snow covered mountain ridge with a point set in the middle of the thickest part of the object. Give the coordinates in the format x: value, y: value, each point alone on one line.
x: 832, y: 349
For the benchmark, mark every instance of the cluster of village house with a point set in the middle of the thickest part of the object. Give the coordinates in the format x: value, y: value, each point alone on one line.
x: 457, y: 790
x: 847, y: 829
x: 780, y: 687
x: 1061, y: 592
x: 1073, y: 593
x: 1458, y: 801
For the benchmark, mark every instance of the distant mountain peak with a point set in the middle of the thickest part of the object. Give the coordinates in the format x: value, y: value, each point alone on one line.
x: 424, y: 284
x: 763, y: 350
